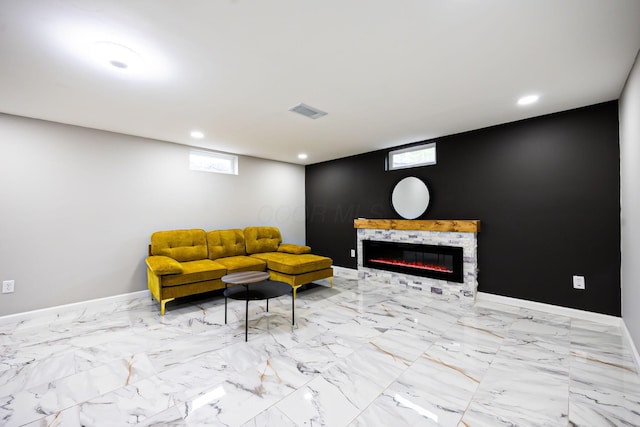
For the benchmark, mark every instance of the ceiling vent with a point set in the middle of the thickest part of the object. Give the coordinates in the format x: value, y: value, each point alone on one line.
x: 305, y: 110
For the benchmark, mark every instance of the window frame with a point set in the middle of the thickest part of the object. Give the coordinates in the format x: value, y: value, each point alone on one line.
x: 214, y: 155
x: 420, y: 147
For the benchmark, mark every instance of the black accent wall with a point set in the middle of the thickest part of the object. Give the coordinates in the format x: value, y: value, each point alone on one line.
x: 546, y: 190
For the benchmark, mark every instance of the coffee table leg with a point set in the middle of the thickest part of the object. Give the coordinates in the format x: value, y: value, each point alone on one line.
x: 225, y: 305
x: 267, y: 305
x: 246, y: 321
x: 293, y: 309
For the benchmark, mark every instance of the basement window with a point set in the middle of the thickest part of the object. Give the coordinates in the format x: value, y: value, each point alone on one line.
x: 210, y: 161
x: 411, y: 157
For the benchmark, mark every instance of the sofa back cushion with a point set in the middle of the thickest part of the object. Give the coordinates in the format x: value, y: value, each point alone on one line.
x: 225, y: 243
x: 181, y: 245
x: 262, y: 239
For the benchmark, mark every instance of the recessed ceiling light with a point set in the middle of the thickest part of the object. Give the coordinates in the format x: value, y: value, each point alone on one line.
x: 197, y: 134
x: 529, y: 99
x: 116, y: 56
x: 302, y: 156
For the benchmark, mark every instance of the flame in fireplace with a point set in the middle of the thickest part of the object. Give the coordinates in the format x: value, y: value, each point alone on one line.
x: 418, y: 265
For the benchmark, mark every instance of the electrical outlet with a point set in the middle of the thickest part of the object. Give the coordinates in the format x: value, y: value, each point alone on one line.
x: 578, y: 282
x: 353, y: 253
x: 8, y: 286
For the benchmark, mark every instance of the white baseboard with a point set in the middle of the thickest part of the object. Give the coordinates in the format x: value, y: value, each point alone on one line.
x: 348, y: 273
x: 550, y: 308
x: 62, y: 309
x: 634, y: 349
x: 532, y: 305
x: 571, y: 312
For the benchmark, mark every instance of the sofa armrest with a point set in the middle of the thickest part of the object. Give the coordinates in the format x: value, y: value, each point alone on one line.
x: 290, y: 248
x: 163, y: 265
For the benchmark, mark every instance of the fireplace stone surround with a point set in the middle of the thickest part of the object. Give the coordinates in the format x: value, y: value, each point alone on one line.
x: 459, y: 233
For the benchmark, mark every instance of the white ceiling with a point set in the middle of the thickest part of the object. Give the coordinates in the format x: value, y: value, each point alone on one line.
x: 387, y: 72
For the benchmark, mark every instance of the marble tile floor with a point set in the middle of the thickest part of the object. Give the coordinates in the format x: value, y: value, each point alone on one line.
x: 361, y: 354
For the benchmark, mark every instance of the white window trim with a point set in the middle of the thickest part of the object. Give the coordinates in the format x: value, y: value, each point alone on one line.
x: 390, y: 165
x: 214, y: 155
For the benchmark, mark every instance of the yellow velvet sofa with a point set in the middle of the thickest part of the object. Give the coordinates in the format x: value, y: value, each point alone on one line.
x: 188, y: 262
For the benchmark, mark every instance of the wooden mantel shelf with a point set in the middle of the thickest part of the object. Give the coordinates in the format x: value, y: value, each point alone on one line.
x: 462, y: 226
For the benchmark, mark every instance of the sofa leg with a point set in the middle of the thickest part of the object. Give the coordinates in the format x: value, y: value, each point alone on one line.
x: 331, y: 281
x: 163, y: 303
x: 295, y: 291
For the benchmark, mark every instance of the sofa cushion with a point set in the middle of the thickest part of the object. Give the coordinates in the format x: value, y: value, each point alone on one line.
x: 181, y: 245
x: 225, y: 243
x: 195, y: 271
x: 163, y: 265
x: 236, y: 264
x: 290, y: 248
x: 294, y: 264
x: 262, y: 239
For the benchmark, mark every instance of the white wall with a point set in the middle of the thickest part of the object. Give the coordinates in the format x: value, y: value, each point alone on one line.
x: 630, y: 201
x: 77, y: 207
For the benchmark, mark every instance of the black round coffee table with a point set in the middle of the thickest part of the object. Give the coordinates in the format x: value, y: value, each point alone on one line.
x: 254, y: 290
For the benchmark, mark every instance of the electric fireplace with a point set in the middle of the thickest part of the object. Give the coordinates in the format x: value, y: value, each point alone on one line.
x: 434, y: 261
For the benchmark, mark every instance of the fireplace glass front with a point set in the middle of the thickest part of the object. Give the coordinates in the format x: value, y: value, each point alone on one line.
x: 434, y: 261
